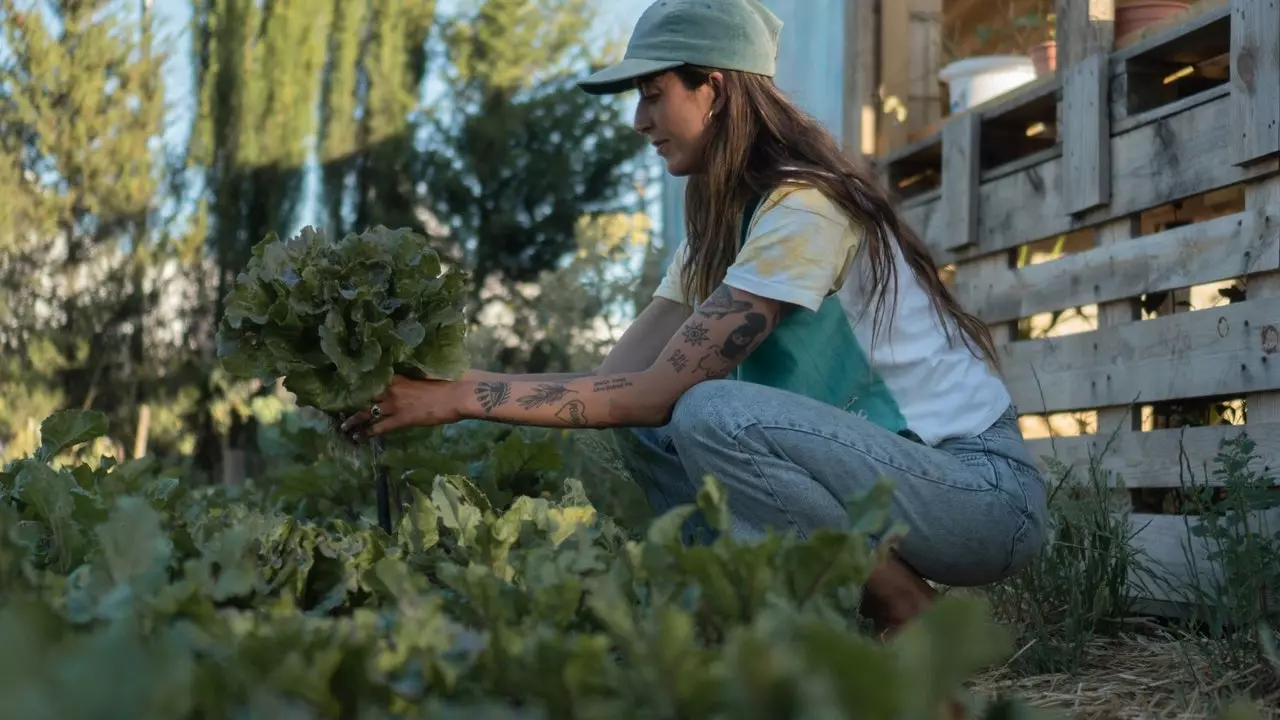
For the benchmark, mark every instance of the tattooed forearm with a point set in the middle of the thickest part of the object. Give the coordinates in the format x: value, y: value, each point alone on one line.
x: 544, y: 394
x: 721, y: 304
x: 573, y: 413
x: 493, y: 394
x: 678, y: 360
x: 616, y: 383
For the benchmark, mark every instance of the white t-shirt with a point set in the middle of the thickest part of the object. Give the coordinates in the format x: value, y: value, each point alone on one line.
x: 802, y: 249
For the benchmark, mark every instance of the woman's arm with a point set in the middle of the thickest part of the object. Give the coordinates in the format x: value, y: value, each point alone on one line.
x: 707, y: 345
x: 644, y: 339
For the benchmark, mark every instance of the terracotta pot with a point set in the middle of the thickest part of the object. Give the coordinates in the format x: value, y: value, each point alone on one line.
x: 1045, y: 57
x: 1134, y: 15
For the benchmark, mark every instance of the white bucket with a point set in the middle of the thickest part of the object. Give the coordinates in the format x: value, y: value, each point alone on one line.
x: 975, y: 80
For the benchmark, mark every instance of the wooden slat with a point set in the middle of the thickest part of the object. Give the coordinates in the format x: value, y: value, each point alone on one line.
x: 1118, y: 233
x: 1255, y: 79
x: 1085, y: 27
x: 1210, y: 251
x: 960, y: 154
x: 1264, y: 199
x: 1086, y: 146
x: 894, y: 81
x: 1181, y: 156
x: 1229, y: 350
x: 1181, y: 561
x: 1158, y: 458
x: 1177, y: 107
x: 859, y: 129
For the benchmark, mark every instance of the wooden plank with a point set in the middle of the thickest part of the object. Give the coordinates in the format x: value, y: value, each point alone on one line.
x: 1137, y: 120
x: 1016, y: 166
x: 894, y: 81
x: 1118, y: 234
x: 1255, y: 79
x: 1218, y: 249
x: 859, y: 131
x: 1085, y: 27
x: 1224, y: 351
x: 1175, y: 158
x: 960, y: 155
x: 1086, y: 146
x: 1158, y: 458
x: 1263, y: 199
x: 1179, y: 566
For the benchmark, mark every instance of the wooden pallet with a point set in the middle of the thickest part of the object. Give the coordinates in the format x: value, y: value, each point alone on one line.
x: 1161, y: 161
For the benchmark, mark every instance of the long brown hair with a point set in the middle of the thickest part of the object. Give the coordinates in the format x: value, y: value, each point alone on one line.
x: 758, y: 140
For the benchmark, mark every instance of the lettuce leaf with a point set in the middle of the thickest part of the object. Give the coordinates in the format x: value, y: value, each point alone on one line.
x: 338, y: 318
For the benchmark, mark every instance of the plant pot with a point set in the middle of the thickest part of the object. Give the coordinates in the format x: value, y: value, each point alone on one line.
x: 1133, y: 15
x: 975, y: 80
x: 1044, y: 56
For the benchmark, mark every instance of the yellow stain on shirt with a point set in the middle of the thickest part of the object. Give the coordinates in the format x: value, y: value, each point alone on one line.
x: 794, y: 251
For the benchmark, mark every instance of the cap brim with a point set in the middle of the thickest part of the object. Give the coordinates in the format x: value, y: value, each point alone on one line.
x: 621, y: 77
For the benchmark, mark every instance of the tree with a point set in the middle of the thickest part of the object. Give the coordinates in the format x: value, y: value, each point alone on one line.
x: 82, y: 236
x: 515, y: 153
x: 372, y: 85
x: 258, y: 69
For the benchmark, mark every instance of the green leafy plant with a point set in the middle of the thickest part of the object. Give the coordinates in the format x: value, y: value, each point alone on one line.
x: 337, y: 318
x: 125, y: 588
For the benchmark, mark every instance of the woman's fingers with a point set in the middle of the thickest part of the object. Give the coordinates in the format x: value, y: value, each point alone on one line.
x: 357, y: 420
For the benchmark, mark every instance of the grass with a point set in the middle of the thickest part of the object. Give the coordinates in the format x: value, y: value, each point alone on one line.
x: 1085, y: 651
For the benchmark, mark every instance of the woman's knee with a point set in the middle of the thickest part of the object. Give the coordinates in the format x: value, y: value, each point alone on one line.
x: 706, y: 408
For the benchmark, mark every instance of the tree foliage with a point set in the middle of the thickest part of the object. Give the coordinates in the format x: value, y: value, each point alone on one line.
x: 515, y: 153
x: 86, y: 249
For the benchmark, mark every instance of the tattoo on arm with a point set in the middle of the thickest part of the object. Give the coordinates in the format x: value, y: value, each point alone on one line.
x: 544, y: 394
x: 721, y: 304
x: 493, y: 394
x: 716, y: 362
x: 695, y: 334
x: 678, y: 360
x: 713, y: 366
x: 743, y: 336
x: 574, y: 413
x: 617, y: 383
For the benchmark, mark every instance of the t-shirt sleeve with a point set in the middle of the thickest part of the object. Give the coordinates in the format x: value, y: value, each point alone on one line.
x: 797, y: 251
x: 671, y: 286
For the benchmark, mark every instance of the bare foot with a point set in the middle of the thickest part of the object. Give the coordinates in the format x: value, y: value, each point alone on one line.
x: 894, y: 595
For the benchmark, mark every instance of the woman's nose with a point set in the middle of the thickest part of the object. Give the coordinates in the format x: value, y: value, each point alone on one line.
x: 642, y: 122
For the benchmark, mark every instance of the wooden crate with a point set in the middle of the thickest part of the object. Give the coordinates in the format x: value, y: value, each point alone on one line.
x: 1183, y: 125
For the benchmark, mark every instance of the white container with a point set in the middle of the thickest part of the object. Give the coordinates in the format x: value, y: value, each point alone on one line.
x: 975, y: 80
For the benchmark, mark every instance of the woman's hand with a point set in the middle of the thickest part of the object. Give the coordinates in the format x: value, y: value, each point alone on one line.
x: 406, y: 403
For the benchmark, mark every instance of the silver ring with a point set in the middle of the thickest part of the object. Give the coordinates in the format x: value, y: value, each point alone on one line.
x: 375, y: 412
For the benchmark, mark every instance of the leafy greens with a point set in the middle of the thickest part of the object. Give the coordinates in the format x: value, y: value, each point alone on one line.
x: 338, y: 318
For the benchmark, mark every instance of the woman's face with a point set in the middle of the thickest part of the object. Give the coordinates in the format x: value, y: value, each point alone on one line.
x: 675, y: 119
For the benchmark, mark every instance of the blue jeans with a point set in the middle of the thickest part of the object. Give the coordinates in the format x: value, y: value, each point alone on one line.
x: 975, y: 507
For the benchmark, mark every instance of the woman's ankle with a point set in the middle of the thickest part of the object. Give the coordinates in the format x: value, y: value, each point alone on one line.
x: 895, y: 595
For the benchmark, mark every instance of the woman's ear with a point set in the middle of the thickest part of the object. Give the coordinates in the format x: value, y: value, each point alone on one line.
x: 718, y: 100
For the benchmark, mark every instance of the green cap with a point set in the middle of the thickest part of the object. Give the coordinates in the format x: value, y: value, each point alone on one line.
x: 723, y: 34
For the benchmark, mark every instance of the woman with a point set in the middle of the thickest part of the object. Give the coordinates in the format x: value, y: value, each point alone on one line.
x: 852, y: 361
